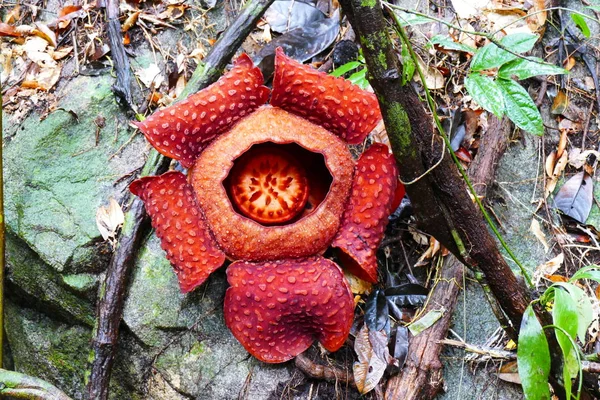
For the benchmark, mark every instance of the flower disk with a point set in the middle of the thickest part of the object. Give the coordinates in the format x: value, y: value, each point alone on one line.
x: 183, y: 130
x: 277, y: 309
x: 373, y: 194
x: 183, y: 234
x: 269, y: 185
x: 334, y: 103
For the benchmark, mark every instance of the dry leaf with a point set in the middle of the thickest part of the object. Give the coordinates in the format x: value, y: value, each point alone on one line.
x: 9, y: 30
x: 512, y: 377
x: 547, y: 268
x: 357, y: 285
x: 61, y: 53
x: 13, y: 15
x: 537, y: 231
x: 369, y: 368
x: 151, y: 77
x: 559, y: 167
x: 109, y: 219
x: 550, y: 163
x: 556, y: 278
x: 537, y: 16
x: 45, y: 33
x: 418, y: 236
x: 560, y: 103
x: 562, y: 143
x: 577, y: 158
x: 130, y: 21
x: 433, y: 77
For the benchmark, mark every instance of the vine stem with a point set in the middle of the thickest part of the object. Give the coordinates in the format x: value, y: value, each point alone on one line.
x: 455, y: 159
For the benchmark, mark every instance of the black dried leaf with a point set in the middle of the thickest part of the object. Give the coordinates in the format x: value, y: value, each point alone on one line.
x: 301, y: 43
x: 407, y: 295
x: 401, y: 345
x: 377, y: 316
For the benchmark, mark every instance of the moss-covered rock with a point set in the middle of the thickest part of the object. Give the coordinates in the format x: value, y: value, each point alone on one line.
x: 56, y: 176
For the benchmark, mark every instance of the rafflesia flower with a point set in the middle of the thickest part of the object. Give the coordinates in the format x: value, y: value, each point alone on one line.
x: 271, y: 187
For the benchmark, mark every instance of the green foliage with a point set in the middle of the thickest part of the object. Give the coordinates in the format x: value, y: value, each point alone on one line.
x: 408, y: 65
x: 581, y: 24
x: 572, y: 314
x: 496, y: 91
x: 359, y: 77
x: 449, y: 44
x: 533, y: 358
x: 564, y: 315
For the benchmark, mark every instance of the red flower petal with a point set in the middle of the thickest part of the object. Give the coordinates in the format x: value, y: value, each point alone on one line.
x: 334, y: 103
x: 277, y: 309
x: 183, y: 130
x: 373, y: 192
x: 180, y: 226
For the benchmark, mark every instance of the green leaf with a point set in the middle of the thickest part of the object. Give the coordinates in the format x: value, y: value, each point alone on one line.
x: 409, y: 19
x: 519, y: 42
x: 408, y: 65
x: 486, y: 92
x: 360, y: 78
x: 519, y: 107
x: 589, y: 272
x: 583, y: 304
x: 491, y: 56
x: 447, y: 43
x: 564, y: 315
x: 580, y: 22
x: 425, y: 321
x: 342, y: 69
x: 533, y: 358
x: 523, y: 69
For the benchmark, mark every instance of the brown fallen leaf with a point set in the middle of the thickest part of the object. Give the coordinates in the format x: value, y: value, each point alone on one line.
x: 369, y: 368
x: 559, y: 167
x: 9, y: 30
x: 556, y: 278
x: 45, y: 33
x: 537, y: 232
x: 109, y: 219
x: 357, y: 285
x: 547, y: 268
x: 560, y: 103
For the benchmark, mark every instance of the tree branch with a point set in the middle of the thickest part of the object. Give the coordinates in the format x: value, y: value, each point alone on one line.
x: 441, y: 202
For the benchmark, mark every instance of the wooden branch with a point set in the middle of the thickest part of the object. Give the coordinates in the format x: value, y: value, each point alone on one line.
x: 21, y: 386
x: 441, y: 202
x: 110, y: 303
x: 325, y: 372
x: 122, y: 86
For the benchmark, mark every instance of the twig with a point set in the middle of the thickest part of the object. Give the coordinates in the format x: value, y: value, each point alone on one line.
x: 21, y: 386
x: 110, y: 304
x: 592, y: 367
x: 486, y: 352
x: 122, y: 87
x: 325, y: 372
